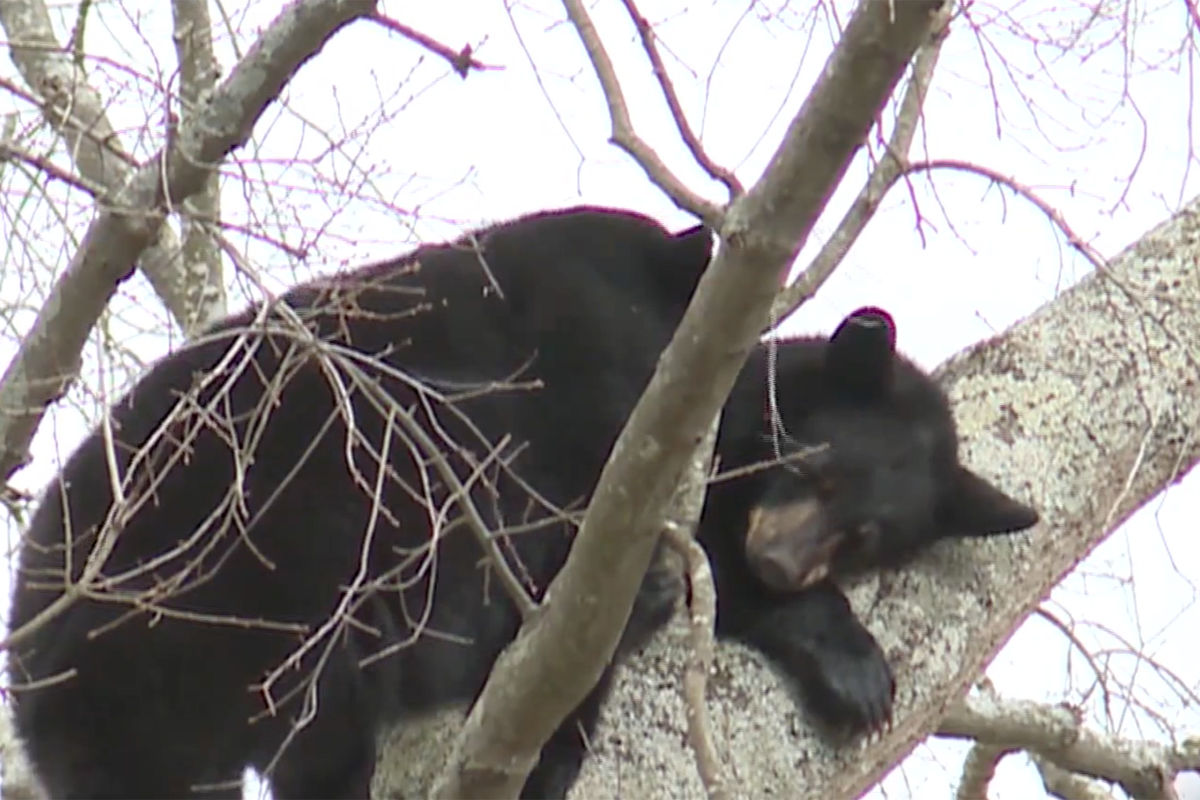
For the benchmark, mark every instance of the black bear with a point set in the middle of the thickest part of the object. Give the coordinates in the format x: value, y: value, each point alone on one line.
x: 880, y: 483
x: 275, y: 541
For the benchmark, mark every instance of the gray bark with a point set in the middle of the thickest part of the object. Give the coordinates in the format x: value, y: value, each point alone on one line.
x: 203, y: 284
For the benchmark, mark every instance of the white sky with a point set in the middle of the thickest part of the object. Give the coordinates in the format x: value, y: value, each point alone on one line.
x: 464, y: 153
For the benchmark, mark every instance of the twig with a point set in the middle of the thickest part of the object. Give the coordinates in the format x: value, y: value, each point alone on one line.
x: 891, y: 167
x: 109, y: 144
x: 1074, y: 239
x: 623, y: 133
x: 10, y: 152
x: 703, y: 613
x: 646, y: 32
x: 461, y: 62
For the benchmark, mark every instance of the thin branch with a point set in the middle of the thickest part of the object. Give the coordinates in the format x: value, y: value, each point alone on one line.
x: 703, y: 614
x: 649, y: 44
x: 10, y: 152
x: 891, y: 168
x: 623, y: 133
x: 110, y: 144
x: 461, y: 62
x: 49, y: 355
x: 1074, y: 239
x: 76, y: 111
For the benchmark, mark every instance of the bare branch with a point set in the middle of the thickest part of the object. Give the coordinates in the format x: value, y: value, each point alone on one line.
x: 649, y: 44
x: 979, y: 768
x: 461, y: 62
x: 76, y: 111
x: 1058, y: 782
x: 891, y: 168
x: 203, y: 287
x: 764, y: 229
x: 623, y: 133
x: 49, y: 355
x: 703, y: 613
x: 1075, y: 240
x: 11, y: 152
x: 1144, y: 769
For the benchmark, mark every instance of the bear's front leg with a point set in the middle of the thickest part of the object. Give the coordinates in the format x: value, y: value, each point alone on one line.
x: 836, y: 664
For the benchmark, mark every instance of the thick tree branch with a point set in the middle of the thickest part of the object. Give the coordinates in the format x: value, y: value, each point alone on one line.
x: 1144, y: 769
x: 978, y: 770
x: 1087, y: 408
x: 529, y: 693
x: 200, y: 267
x: 1069, y: 786
x: 129, y: 220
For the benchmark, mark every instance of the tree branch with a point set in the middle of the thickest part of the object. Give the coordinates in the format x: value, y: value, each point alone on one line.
x: 978, y: 770
x: 130, y: 219
x: 1069, y: 786
x: 1128, y: 352
x: 624, y: 135
x: 1143, y: 769
x: 461, y: 62
x: 891, y: 168
x: 76, y: 111
x: 694, y: 145
x: 200, y: 270
x: 703, y: 614
x: 1074, y: 239
x: 528, y: 694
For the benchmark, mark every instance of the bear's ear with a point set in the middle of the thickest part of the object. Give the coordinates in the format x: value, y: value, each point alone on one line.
x: 693, y: 245
x: 677, y: 262
x: 974, y: 507
x: 860, y: 354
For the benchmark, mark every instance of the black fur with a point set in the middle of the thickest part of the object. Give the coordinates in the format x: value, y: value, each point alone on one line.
x: 538, y: 335
x: 883, y: 485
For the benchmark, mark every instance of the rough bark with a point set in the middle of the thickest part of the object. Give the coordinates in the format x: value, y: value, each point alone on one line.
x: 203, y: 285
x: 130, y: 218
x: 1088, y: 408
x: 1066, y: 750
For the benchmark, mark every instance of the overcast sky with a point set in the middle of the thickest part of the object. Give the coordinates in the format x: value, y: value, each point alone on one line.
x: 456, y: 154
